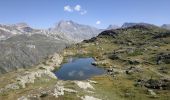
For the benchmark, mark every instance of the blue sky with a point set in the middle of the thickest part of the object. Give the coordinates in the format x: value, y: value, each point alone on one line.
x: 98, y: 13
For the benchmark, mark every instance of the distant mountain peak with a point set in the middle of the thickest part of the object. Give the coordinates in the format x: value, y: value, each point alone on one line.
x: 21, y: 25
x: 129, y: 24
x: 74, y: 31
x: 65, y: 23
x: 166, y: 26
x: 112, y: 27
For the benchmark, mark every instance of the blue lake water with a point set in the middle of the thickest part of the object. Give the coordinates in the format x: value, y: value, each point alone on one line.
x: 78, y: 69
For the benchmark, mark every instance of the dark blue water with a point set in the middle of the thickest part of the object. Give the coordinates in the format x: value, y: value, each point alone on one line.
x: 78, y: 69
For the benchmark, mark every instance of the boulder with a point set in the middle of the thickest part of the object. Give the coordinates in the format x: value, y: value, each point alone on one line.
x: 151, y: 92
x: 114, y: 57
x: 84, y: 85
x: 133, y: 69
x: 155, y: 83
x: 94, y: 63
x: 163, y: 58
x: 133, y: 62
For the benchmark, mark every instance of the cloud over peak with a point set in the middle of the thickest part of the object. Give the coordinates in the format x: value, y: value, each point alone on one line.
x: 68, y: 8
x: 76, y: 8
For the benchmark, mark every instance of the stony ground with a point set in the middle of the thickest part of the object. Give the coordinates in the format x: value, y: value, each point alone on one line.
x: 41, y: 83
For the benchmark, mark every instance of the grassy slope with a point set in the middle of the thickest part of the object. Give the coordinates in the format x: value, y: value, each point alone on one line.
x: 145, y: 47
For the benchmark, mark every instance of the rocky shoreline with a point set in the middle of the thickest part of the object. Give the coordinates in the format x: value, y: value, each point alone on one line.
x: 28, y: 77
x: 56, y: 90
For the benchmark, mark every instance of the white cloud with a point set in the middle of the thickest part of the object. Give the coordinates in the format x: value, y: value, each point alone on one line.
x: 77, y: 8
x: 98, y: 22
x: 68, y: 8
x: 83, y: 12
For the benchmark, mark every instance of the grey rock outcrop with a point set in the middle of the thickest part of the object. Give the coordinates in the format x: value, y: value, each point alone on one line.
x: 155, y: 83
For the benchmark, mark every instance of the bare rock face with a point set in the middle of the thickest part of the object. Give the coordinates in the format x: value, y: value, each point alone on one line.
x: 75, y: 32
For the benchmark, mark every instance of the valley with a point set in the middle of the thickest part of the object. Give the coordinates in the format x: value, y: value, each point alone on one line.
x: 84, y: 50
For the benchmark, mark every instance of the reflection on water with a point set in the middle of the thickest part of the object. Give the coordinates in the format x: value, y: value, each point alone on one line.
x: 78, y: 69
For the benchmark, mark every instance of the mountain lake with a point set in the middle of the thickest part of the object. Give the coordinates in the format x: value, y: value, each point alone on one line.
x: 78, y: 69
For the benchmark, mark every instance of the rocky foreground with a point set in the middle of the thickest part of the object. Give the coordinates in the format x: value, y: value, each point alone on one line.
x: 41, y: 83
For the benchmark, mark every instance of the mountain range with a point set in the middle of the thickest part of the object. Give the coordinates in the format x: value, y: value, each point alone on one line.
x: 22, y: 46
x: 64, y: 30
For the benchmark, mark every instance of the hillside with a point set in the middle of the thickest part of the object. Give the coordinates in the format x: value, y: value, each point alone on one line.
x: 24, y: 51
x: 137, y: 58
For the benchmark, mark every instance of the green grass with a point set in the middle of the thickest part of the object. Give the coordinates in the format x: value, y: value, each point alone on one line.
x: 136, y: 53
